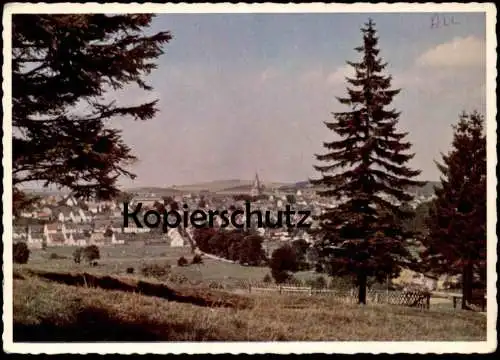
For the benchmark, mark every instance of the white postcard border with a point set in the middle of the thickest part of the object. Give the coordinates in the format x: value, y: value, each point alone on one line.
x: 254, y: 347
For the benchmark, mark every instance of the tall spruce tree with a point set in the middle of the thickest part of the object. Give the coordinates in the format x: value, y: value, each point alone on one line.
x: 366, y: 174
x: 456, y: 243
x: 62, y: 66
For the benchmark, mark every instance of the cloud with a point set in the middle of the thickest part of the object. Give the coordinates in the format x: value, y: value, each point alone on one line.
x: 460, y: 52
x: 338, y: 76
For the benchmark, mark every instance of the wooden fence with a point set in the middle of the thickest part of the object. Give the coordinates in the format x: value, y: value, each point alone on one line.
x: 413, y: 298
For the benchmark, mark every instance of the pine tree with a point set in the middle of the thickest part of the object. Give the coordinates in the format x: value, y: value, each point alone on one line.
x: 367, y: 176
x: 62, y: 66
x: 456, y: 243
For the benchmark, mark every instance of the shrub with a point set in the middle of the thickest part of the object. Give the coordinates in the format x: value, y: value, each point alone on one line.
x: 20, y: 253
x: 267, y: 278
x: 108, y: 232
x: 91, y: 253
x: 54, y: 256
x: 182, y: 261
x: 177, y: 278
x: 283, y: 259
x: 293, y: 281
x: 197, y: 259
x: 280, y: 276
x: 318, y: 283
x: 130, y: 270
x: 77, y: 255
x: 155, y: 270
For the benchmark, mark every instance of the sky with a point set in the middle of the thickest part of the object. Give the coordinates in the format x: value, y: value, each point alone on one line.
x: 246, y: 93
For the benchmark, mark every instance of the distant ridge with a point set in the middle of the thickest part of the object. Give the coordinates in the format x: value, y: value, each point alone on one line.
x: 243, y: 186
x: 230, y: 186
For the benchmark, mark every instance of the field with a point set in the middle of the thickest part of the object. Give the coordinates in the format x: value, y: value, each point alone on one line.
x: 50, y: 310
x: 116, y: 259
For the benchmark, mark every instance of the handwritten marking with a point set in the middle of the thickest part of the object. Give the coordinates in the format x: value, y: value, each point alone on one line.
x: 438, y: 21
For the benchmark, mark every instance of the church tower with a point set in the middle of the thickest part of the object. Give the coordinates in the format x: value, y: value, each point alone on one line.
x: 257, y: 187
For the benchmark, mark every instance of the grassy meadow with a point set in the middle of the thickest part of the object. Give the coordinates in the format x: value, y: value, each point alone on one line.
x: 116, y: 259
x: 50, y: 310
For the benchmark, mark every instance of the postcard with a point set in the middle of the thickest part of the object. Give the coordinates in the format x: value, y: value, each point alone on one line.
x: 249, y: 178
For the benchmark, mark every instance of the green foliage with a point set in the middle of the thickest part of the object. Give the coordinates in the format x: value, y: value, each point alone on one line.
x: 283, y: 260
x: 60, y: 61
x: 54, y: 256
x: 155, y: 270
x: 91, y: 253
x: 456, y: 243
x: 108, y: 232
x: 364, y: 234
x: 317, y: 283
x: 182, y: 261
x: 301, y: 247
x: 236, y: 245
x: 267, y: 279
x: 77, y: 255
x: 251, y: 251
x: 280, y: 276
x: 290, y: 199
x: 197, y: 259
x: 293, y: 281
x: 20, y: 253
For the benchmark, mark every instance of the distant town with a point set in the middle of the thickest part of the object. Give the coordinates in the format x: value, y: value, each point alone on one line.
x: 63, y: 220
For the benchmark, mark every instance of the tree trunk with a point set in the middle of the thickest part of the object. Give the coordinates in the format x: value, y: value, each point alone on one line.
x: 362, y: 288
x: 466, y: 285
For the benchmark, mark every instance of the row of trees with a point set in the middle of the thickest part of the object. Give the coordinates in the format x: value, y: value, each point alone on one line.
x: 366, y: 171
x: 241, y: 246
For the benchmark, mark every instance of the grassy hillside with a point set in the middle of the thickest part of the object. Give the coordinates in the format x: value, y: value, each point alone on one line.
x: 49, y: 311
x: 116, y: 259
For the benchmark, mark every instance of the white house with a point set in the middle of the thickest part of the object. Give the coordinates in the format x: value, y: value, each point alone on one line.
x: 57, y: 239
x: 79, y: 239
x: 35, y: 236
x: 93, y: 208
x: 133, y: 229
x: 62, y: 213
x: 20, y: 233
x: 176, y: 239
x: 97, y: 238
x: 75, y: 217
x: 117, y: 239
x: 50, y: 230
x: 69, y: 201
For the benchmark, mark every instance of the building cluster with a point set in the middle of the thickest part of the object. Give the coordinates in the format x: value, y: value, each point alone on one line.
x: 66, y: 221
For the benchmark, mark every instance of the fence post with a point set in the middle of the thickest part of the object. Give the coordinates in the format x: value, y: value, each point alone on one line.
x: 249, y: 288
x: 454, y: 302
x: 428, y: 301
x: 310, y: 291
x: 280, y: 289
